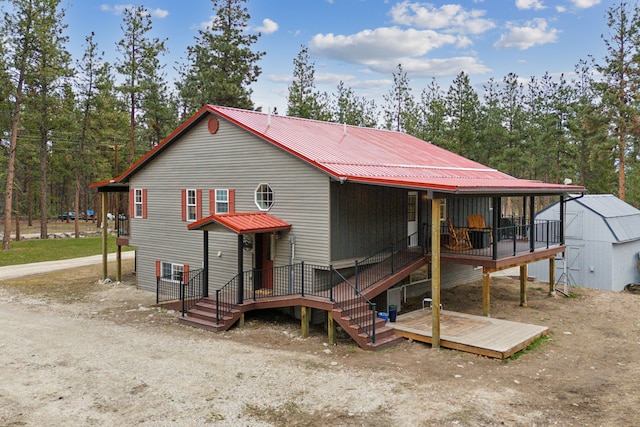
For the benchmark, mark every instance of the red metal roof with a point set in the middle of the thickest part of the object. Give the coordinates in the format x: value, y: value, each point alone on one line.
x: 367, y: 155
x: 242, y: 223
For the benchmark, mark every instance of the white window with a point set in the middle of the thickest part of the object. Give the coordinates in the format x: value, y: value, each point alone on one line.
x: 222, y: 201
x: 138, y: 201
x: 264, y: 197
x: 192, y: 205
x: 443, y: 210
x: 172, y: 271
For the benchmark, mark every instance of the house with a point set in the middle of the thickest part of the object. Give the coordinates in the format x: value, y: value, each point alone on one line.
x: 238, y: 210
x: 602, y: 243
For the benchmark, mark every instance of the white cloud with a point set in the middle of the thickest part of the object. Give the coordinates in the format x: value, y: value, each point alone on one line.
x: 386, y: 44
x: 268, y: 26
x: 530, y: 4
x: 118, y: 9
x: 534, y: 33
x: 159, y: 13
x: 448, y: 17
x: 585, y: 4
x: 561, y: 9
x: 437, y: 67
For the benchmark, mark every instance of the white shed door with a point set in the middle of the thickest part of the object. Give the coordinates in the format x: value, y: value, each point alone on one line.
x: 412, y: 218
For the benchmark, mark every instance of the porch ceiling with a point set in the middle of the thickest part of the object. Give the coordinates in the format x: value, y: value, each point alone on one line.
x: 241, y: 223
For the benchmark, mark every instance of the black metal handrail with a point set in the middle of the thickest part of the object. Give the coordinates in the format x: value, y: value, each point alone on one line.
x: 122, y: 224
x: 169, y: 289
x: 354, y: 305
x: 386, y: 262
x: 192, y: 289
x: 510, y: 240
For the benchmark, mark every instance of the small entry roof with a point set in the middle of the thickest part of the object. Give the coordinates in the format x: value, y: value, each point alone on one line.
x: 242, y: 223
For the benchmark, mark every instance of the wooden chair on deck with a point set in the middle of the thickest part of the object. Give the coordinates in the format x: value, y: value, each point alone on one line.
x: 458, y: 238
x: 476, y: 222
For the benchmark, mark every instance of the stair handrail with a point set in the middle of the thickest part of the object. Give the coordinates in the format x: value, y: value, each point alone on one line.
x: 388, y: 252
x: 370, y: 331
x: 232, y: 303
x: 192, y: 289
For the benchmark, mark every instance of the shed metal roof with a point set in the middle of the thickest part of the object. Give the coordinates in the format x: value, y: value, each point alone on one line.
x: 367, y: 155
x: 622, y: 219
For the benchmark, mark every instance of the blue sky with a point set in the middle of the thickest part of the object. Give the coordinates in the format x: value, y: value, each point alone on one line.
x: 361, y: 42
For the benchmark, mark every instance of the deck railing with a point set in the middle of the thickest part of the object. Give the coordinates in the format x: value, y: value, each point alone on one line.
x: 122, y: 224
x: 321, y: 281
x: 185, y: 289
x: 510, y: 240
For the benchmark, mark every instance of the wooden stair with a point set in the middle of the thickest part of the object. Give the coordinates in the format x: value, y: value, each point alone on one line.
x: 203, y: 315
x: 385, y: 336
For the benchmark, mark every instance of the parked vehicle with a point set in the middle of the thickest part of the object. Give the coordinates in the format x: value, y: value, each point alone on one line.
x: 67, y: 215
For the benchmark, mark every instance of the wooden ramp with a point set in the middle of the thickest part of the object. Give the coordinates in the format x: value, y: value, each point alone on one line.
x: 465, y: 332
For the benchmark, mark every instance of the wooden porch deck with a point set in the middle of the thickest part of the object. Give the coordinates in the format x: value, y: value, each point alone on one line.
x: 474, y: 334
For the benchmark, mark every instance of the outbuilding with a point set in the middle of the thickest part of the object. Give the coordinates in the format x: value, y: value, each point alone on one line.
x: 602, y: 243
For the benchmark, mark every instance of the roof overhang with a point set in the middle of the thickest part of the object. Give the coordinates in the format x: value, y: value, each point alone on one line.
x: 241, y: 223
x: 110, y: 186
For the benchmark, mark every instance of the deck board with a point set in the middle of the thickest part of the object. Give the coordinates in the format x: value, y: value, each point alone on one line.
x: 475, y: 334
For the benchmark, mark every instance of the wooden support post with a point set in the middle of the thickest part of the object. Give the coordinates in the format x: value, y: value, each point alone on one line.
x: 331, y: 328
x: 435, y: 273
x: 304, y: 321
x: 104, y: 235
x: 241, y: 321
x: 486, y: 293
x: 523, y: 285
x: 552, y: 276
x: 119, y: 263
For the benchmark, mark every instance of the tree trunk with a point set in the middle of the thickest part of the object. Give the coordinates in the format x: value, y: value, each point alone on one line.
x: 77, y: 206
x: 621, y: 177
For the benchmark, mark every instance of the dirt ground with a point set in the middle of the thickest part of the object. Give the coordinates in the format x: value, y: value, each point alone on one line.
x: 74, y: 351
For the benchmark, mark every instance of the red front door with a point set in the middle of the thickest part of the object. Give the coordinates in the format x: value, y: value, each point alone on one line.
x: 264, y: 263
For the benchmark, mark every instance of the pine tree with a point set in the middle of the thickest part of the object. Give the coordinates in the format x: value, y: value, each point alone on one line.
x: 139, y: 55
x: 621, y: 79
x: 304, y: 101
x: 462, y: 110
x: 221, y: 64
x: 399, y: 110
x: 353, y: 110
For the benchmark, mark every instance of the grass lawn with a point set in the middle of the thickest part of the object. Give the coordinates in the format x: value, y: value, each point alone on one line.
x: 36, y: 250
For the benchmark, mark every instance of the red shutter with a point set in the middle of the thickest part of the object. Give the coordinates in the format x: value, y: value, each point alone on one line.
x: 232, y: 201
x: 144, y: 203
x: 132, y: 203
x: 184, y: 205
x: 212, y: 202
x: 185, y: 274
x: 198, y: 205
x: 157, y: 268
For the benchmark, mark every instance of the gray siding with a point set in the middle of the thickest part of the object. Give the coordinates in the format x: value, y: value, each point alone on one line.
x: 230, y: 159
x: 365, y: 219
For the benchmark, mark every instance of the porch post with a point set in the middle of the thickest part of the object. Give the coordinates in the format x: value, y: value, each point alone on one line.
x: 532, y: 230
x: 497, y: 212
x: 118, y: 263
x: 523, y: 285
x: 104, y: 235
x: 562, y: 219
x: 240, y: 267
x: 552, y: 276
x: 486, y: 292
x: 331, y: 328
x: 435, y: 273
x: 304, y: 320
x: 205, y: 273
